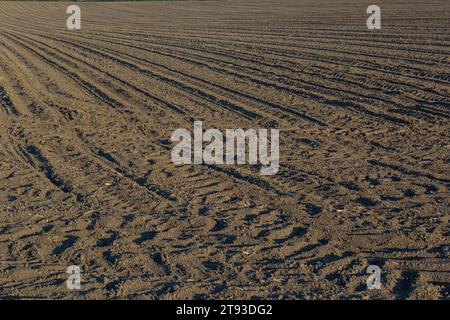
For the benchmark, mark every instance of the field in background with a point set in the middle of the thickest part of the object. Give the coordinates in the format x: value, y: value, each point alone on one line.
x: 86, y: 176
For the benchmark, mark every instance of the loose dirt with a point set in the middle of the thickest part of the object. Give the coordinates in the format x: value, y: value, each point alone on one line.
x: 86, y: 176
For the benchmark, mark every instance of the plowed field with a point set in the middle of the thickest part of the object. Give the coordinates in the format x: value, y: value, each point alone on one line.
x: 86, y: 176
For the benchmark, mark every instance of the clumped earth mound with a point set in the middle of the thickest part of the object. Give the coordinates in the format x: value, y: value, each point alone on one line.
x: 86, y: 176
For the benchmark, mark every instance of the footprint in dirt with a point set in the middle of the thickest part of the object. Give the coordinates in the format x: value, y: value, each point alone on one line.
x: 295, y: 233
x: 430, y: 189
x: 106, y: 242
x: 213, y: 265
x: 366, y: 202
x: 109, y: 257
x: 66, y: 244
x: 350, y: 185
x: 47, y: 228
x: 405, y: 285
x: 409, y: 193
x: 145, y: 236
x: 390, y: 198
x: 312, y: 209
x: 226, y: 238
x: 220, y: 225
x: 372, y: 182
